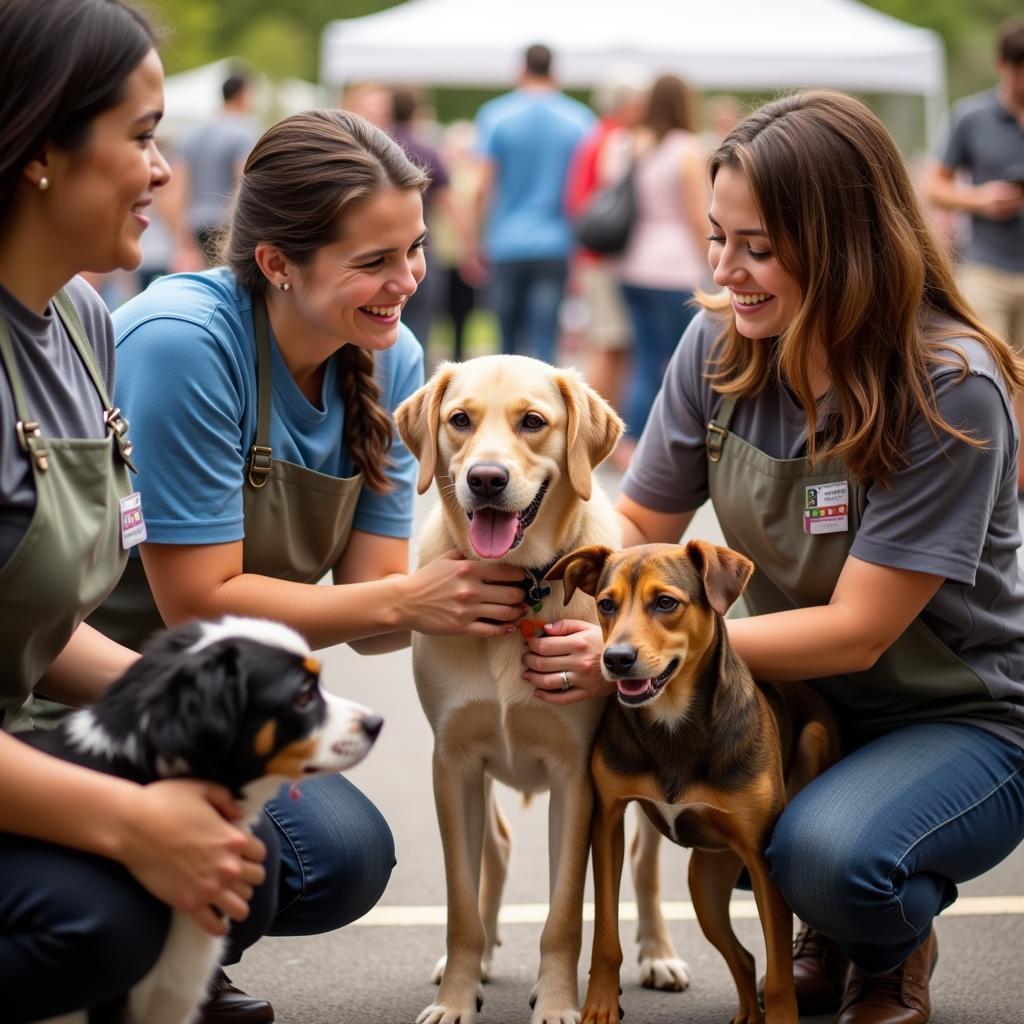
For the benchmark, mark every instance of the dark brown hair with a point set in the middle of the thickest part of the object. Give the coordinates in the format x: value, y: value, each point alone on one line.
x: 64, y: 63
x: 1010, y: 42
x: 878, y: 292
x: 669, y: 107
x: 301, y: 180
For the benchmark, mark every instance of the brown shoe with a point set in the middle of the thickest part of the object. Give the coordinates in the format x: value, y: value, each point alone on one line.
x: 819, y: 972
x: 229, y: 1005
x: 898, y: 997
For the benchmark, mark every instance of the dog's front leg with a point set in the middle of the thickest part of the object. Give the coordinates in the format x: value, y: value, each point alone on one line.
x: 555, y: 997
x: 608, y: 841
x: 174, y: 989
x: 459, y: 797
x: 661, y: 967
x: 777, y: 921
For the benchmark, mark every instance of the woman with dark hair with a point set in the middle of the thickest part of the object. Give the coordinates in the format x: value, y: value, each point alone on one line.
x: 89, y: 862
x: 260, y: 395
x: 664, y: 261
x: 851, y: 420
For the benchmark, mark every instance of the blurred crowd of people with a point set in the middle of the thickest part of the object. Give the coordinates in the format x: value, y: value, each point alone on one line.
x: 505, y: 191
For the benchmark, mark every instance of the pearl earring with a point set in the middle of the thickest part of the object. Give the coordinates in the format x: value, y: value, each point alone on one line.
x: 284, y: 286
x: 44, y: 184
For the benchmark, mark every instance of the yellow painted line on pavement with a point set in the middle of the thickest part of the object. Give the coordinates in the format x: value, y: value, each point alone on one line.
x: 536, y: 913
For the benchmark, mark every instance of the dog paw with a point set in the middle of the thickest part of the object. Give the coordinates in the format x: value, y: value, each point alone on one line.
x: 542, y: 1016
x: 668, y: 974
x: 439, y: 1013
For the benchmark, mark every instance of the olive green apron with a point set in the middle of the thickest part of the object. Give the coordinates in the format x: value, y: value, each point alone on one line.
x: 760, y: 504
x: 297, y: 521
x: 71, y: 554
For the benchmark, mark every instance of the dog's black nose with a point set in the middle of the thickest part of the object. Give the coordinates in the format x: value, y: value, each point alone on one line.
x: 486, y: 479
x: 371, y: 725
x: 619, y: 658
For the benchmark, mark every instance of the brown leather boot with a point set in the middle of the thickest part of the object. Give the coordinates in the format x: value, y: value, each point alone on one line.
x: 819, y: 972
x: 899, y: 996
x: 229, y: 1005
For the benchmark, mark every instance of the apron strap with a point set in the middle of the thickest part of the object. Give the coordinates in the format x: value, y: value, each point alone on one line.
x: 261, y: 454
x: 27, y: 428
x: 112, y: 416
x: 718, y: 427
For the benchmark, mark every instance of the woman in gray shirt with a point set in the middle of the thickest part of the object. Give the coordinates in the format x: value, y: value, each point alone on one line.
x: 851, y: 421
x: 89, y: 862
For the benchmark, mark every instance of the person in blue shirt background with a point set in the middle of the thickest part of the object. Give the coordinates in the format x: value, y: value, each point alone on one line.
x: 526, y: 139
x: 260, y: 395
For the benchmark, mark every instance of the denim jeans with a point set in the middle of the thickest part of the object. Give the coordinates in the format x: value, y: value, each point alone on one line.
x: 78, y: 931
x: 872, y: 850
x: 659, y: 317
x: 334, y: 856
x: 527, y: 295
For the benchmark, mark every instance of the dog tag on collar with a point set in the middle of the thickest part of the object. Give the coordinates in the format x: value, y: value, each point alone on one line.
x: 826, y: 508
x: 133, y: 526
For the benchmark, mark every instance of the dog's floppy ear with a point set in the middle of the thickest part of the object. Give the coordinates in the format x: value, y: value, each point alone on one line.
x: 580, y: 570
x: 184, y: 705
x: 418, y: 419
x: 725, y: 572
x: 592, y: 431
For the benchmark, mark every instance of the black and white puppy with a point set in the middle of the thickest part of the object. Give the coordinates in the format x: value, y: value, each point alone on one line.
x: 238, y: 703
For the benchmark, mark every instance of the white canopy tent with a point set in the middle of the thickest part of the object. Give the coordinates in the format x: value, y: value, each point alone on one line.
x: 749, y: 45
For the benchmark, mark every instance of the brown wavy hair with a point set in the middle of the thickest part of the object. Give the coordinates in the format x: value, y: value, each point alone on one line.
x: 878, y: 290
x: 300, y: 182
x: 670, y: 106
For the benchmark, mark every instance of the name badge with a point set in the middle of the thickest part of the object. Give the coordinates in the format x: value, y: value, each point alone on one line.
x: 826, y: 508
x: 133, y: 526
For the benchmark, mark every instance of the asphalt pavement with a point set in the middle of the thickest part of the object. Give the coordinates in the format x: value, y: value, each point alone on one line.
x: 377, y: 971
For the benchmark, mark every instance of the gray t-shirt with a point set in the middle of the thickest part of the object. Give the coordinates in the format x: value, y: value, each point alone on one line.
x: 213, y: 153
x: 59, y: 392
x: 987, y: 140
x: 951, y: 512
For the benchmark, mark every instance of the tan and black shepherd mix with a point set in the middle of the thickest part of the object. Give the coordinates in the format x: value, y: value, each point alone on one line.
x: 512, y: 444
x: 711, y: 755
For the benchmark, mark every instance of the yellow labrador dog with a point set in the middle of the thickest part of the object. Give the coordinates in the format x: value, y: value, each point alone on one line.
x: 512, y: 443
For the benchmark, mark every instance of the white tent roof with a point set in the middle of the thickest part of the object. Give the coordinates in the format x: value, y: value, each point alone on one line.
x: 748, y: 45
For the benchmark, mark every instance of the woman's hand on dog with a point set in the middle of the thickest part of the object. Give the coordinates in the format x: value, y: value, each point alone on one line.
x: 180, y: 844
x: 453, y: 595
x: 571, y: 646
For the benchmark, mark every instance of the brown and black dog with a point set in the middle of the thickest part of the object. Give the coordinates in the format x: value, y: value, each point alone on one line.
x: 711, y: 755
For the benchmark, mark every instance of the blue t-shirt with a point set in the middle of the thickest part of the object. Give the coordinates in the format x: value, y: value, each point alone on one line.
x: 186, y: 380
x: 530, y: 136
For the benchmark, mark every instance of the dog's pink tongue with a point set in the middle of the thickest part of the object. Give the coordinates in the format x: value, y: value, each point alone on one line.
x: 634, y: 687
x: 492, y: 533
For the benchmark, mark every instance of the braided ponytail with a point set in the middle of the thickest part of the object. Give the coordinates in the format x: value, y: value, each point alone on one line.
x: 368, y: 427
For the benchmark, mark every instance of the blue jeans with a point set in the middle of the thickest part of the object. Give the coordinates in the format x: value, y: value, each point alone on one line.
x: 872, y: 850
x: 78, y: 931
x: 334, y: 856
x: 659, y: 317
x: 527, y: 295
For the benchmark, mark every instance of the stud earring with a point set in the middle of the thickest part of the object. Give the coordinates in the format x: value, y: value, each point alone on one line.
x: 44, y: 184
x: 284, y: 286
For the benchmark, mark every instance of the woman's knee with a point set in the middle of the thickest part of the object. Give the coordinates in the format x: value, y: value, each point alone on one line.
x: 828, y: 871
x: 337, y: 857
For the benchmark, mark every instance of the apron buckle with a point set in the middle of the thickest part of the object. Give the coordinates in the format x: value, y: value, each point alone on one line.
x: 28, y: 430
x: 715, y: 440
x: 118, y: 426
x: 260, y: 460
